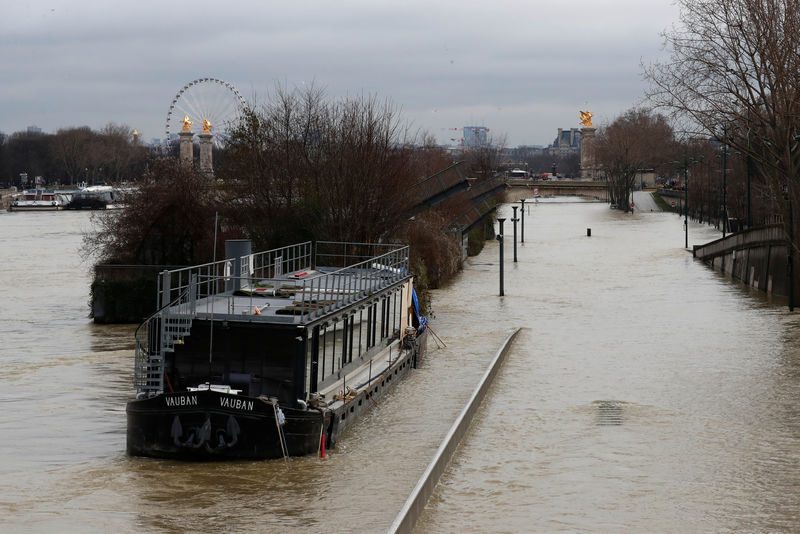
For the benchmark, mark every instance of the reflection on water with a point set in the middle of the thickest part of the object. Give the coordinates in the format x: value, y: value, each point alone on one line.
x: 645, y: 392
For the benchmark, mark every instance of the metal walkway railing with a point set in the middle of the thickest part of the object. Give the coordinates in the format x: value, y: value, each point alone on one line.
x: 360, y: 270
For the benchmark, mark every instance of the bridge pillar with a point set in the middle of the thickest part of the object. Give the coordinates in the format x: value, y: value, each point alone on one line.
x: 186, y: 147
x: 588, y: 159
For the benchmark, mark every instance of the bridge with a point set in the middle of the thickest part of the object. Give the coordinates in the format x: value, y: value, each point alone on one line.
x: 521, y: 188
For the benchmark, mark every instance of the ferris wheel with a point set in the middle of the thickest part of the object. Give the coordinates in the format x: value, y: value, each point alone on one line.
x: 209, y: 102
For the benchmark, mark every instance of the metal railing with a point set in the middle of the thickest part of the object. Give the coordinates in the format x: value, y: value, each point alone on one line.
x: 216, y: 288
x: 343, y: 254
x: 210, y: 279
x: 753, y: 237
x: 276, y: 262
x: 156, y: 336
x: 326, y: 292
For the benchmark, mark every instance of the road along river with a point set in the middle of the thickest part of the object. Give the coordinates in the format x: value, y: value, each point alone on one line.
x: 644, y: 392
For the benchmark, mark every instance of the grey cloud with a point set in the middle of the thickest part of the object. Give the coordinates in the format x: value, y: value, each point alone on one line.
x: 91, y: 63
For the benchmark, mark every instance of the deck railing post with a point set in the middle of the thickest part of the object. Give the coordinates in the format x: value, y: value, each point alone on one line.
x: 303, y: 308
x: 165, y: 288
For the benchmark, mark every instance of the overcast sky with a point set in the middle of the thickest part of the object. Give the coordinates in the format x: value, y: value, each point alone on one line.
x: 522, y: 69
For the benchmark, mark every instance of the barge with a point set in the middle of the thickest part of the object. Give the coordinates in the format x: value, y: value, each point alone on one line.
x: 41, y: 200
x: 94, y: 197
x: 272, y: 354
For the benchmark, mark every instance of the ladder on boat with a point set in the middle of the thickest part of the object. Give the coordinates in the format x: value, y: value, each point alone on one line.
x: 157, y: 336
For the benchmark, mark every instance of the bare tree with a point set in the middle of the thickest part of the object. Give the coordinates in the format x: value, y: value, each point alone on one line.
x: 734, y: 75
x: 310, y: 167
x: 115, y: 151
x: 636, y: 140
x: 169, y: 220
x: 70, y: 148
x: 29, y: 152
x: 484, y: 160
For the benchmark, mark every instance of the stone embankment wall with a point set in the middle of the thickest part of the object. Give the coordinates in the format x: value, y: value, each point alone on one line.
x: 756, y: 257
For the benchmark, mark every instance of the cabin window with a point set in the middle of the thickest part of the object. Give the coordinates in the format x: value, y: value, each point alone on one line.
x: 339, y: 338
x: 395, y: 313
x: 370, y: 325
x: 331, y: 342
x: 332, y: 349
x: 331, y: 346
x: 386, y: 307
x: 361, y: 338
x: 312, y: 359
x: 346, y: 340
x: 373, y: 325
x: 322, y: 334
x: 352, y: 319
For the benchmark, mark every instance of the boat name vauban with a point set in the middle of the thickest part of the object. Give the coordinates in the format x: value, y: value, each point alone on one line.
x: 236, y: 404
x: 183, y: 400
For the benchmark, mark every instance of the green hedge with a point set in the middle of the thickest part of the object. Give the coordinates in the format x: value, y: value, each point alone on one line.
x: 123, y: 301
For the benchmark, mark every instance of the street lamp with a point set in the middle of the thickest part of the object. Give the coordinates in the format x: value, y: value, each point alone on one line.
x: 791, y: 239
x: 686, y: 162
x: 724, y: 189
x: 501, y: 220
x: 522, y: 227
x: 686, y: 203
x: 514, y: 219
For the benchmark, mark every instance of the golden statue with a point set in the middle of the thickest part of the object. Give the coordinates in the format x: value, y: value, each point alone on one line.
x: 186, y: 124
x: 586, y: 118
x: 206, y: 126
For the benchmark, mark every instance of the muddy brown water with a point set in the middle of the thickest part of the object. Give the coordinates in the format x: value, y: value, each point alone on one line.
x: 645, y: 392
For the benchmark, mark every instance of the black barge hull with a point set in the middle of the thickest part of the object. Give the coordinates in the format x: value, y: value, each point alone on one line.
x: 209, y: 425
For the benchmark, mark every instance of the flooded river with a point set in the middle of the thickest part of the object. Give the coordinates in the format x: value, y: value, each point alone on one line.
x: 645, y: 392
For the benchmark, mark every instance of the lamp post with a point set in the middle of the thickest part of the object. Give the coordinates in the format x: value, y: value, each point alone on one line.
x: 522, y: 225
x: 724, y: 188
x: 791, y: 239
x: 749, y: 215
x: 501, y: 220
x: 688, y: 160
x: 514, y: 220
x: 686, y: 203
x: 791, y: 257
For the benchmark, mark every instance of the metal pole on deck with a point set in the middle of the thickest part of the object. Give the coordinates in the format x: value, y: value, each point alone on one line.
x: 211, y: 295
x: 522, y: 225
x: 501, y: 220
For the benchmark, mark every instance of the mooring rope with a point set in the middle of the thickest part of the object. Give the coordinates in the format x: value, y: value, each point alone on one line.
x: 280, y: 431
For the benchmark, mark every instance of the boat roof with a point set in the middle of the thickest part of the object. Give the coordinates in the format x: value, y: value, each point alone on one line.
x: 285, y: 286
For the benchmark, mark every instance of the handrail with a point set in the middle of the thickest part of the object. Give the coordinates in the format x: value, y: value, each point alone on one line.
x: 378, y: 266
x: 142, y: 352
x: 751, y: 237
x: 390, y: 266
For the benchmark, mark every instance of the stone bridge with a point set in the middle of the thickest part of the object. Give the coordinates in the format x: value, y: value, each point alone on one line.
x: 519, y: 189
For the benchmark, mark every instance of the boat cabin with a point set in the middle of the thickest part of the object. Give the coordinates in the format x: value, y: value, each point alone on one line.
x: 286, y: 324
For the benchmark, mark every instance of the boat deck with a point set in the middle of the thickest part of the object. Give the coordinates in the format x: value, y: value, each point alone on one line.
x: 364, y: 376
x: 292, y: 297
